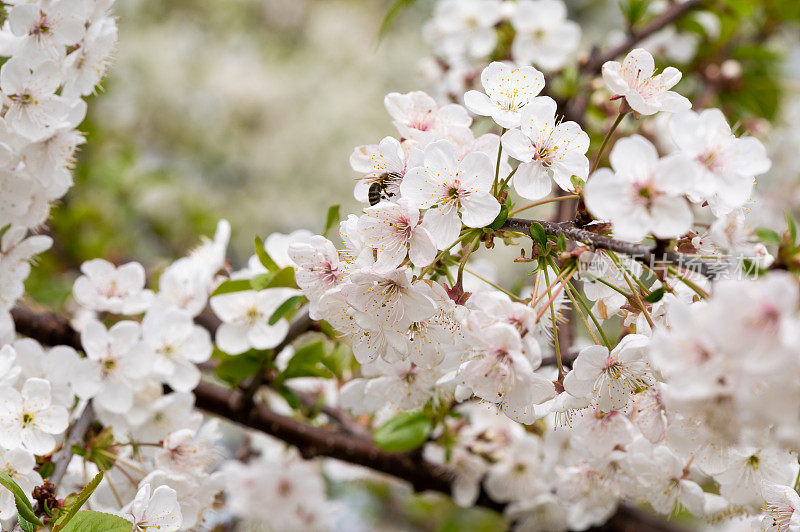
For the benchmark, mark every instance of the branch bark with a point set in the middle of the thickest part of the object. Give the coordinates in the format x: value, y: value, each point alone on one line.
x: 644, y: 254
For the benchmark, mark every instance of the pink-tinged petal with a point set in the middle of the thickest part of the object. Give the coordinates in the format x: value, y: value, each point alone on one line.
x: 532, y: 181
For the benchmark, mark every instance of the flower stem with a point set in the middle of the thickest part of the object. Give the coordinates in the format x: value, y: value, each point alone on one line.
x: 559, y: 362
x: 495, y: 286
x: 543, y: 202
x: 497, y: 168
x: 607, y: 138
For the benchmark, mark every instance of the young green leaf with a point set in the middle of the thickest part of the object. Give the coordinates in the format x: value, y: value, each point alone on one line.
x: 80, y: 500
x: 264, y: 257
x: 655, y: 296
x: 403, y: 432
x: 285, y: 308
x: 307, y: 362
x: 89, y: 521
x: 539, y: 235
x: 233, y: 369
x: 228, y: 287
x: 332, y: 219
x: 395, y: 10
x: 792, y: 229
x: 768, y: 236
x: 501, y: 218
x: 283, y: 278
x: 24, y: 507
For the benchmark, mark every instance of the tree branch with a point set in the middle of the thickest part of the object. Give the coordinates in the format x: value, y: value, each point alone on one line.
x: 595, y: 62
x: 639, y: 252
x: 76, y: 433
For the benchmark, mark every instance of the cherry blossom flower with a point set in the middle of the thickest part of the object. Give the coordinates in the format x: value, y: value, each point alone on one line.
x: 394, y: 231
x: 643, y: 194
x: 245, y: 319
x: 780, y: 513
x: 177, y: 345
x: 159, y: 510
x: 385, y: 163
x: 34, y: 109
x: 119, y: 290
x: 28, y: 418
x: 19, y: 464
x: 645, y: 92
x: 387, y: 300
x: 318, y: 268
x: 419, y: 118
x: 547, y: 149
x: 544, y: 35
x: 724, y: 166
x: 508, y: 91
x: 500, y: 373
x: 48, y: 29
x: 464, y: 28
x: 115, y: 361
x: 460, y: 191
x: 611, y: 377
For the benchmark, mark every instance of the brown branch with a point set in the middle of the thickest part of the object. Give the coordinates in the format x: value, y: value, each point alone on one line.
x: 639, y: 252
x: 74, y: 437
x: 596, y: 61
x: 594, y: 64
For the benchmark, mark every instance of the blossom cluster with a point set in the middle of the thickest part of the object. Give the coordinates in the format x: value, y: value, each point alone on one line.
x: 682, y: 394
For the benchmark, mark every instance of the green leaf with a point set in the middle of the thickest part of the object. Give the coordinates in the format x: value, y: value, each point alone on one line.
x: 332, y: 219
x: 404, y: 432
x: 230, y: 286
x: 501, y: 218
x: 26, y: 526
x: 24, y: 507
x: 233, y: 369
x: 89, y: 521
x: 290, y: 396
x: 283, y: 278
x: 285, y: 308
x: 577, y: 183
x: 395, y: 10
x: 98, y: 451
x: 264, y: 257
x: 562, y: 243
x: 792, y: 227
x: 655, y: 296
x: 83, y: 496
x: 768, y: 236
x: 539, y: 235
x: 46, y: 469
x: 307, y: 362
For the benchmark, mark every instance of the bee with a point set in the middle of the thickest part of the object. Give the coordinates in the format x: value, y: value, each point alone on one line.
x: 380, y: 188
